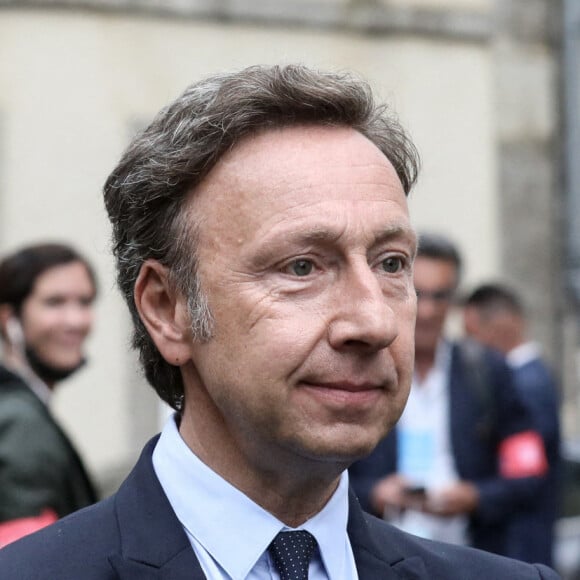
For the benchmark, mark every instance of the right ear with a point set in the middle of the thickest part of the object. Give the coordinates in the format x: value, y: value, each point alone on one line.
x: 163, y: 311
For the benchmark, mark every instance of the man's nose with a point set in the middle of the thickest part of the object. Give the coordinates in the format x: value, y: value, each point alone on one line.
x: 363, y: 316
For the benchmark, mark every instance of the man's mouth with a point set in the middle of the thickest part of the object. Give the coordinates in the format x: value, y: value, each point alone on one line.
x: 345, y: 393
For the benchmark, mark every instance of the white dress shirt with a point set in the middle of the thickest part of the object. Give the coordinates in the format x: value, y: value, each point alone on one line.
x: 230, y: 533
x: 425, y: 455
x: 523, y: 354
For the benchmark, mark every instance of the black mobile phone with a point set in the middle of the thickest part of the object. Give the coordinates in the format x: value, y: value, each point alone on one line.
x: 416, y: 490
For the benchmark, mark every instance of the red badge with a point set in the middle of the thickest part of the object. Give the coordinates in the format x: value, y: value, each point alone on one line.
x: 12, y: 530
x: 522, y: 455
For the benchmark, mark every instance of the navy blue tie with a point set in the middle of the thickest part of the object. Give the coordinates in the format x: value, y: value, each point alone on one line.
x: 291, y: 552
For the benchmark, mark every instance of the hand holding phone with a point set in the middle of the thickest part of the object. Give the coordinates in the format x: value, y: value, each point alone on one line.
x: 415, y: 497
x: 416, y: 491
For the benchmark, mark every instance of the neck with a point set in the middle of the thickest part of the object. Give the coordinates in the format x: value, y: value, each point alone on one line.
x: 292, y: 500
x: 512, y: 341
x: 16, y: 362
x: 286, y: 487
x: 424, y: 361
x: 11, y: 358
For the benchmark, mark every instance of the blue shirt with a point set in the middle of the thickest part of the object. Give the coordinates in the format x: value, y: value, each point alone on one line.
x: 230, y: 533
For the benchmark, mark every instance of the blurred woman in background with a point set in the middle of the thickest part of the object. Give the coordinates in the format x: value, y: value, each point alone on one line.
x: 46, y: 313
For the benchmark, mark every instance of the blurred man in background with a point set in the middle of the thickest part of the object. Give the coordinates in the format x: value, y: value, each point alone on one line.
x: 439, y: 473
x: 495, y: 316
x: 46, y: 313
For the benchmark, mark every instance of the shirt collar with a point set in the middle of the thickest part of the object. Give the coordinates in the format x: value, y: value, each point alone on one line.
x: 229, y: 525
x: 523, y: 354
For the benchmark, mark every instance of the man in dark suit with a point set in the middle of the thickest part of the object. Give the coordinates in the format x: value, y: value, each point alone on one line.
x: 265, y: 250
x: 463, y: 422
x: 495, y: 316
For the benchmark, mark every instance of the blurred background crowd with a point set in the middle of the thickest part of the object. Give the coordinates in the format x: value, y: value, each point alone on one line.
x: 488, y: 89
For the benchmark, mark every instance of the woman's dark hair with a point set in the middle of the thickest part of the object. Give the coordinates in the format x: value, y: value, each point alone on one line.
x: 20, y: 270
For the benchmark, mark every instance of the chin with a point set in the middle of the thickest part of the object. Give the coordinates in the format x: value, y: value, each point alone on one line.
x: 66, y: 364
x: 346, y: 448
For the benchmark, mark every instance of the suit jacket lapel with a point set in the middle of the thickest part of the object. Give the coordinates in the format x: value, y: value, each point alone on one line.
x: 180, y: 568
x: 379, y: 562
x: 154, y: 545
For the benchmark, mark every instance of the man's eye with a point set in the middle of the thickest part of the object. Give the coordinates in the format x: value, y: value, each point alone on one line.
x: 301, y: 267
x: 392, y: 265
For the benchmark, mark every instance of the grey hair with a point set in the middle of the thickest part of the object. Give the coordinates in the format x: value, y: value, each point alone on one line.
x: 146, y: 193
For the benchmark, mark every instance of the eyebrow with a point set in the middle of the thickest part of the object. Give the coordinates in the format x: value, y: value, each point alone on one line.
x: 324, y: 235
x: 397, y: 231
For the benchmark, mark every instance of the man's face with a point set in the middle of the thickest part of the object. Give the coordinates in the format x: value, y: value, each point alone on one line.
x: 58, y: 315
x: 472, y: 322
x: 500, y: 330
x: 305, y: 255
x: 435, y: 282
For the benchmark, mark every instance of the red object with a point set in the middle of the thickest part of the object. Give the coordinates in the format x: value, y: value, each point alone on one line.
x: 522, y: 455
x: 12, y: 530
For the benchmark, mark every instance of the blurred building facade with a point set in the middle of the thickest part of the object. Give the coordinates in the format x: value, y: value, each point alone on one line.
x: 479, y: 84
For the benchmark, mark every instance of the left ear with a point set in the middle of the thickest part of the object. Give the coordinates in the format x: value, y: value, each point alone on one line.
x: 163, y: 311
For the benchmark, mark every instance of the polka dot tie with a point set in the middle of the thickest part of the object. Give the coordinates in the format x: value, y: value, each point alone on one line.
x: 291, y: 552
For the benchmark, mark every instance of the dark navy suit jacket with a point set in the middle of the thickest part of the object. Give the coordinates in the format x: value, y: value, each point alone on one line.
x: 135, y: 535
x: 530, y: 534
x: 478, y: 423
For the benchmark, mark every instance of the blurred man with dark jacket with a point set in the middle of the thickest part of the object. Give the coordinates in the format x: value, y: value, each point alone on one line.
x: 463, y: 457
x: 495, y: 316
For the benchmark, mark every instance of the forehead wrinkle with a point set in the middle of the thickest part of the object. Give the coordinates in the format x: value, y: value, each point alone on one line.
x: 329, y: 232
x: 255, y: 165
x: 297, y: 181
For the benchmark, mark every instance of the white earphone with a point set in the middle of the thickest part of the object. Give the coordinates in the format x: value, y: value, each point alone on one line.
x: 14, y: 332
